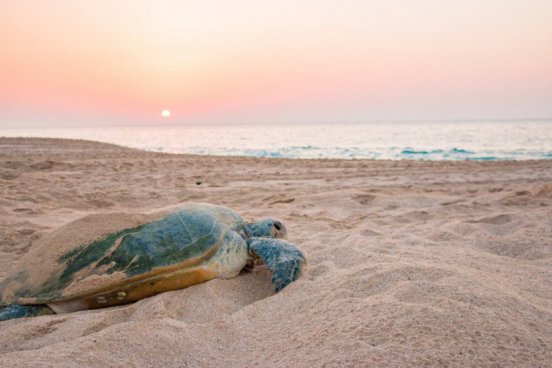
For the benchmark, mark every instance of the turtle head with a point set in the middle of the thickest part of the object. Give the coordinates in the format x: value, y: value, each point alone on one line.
x: 268, y: 228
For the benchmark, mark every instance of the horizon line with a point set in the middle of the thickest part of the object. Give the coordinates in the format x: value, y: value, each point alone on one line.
x: 170, y: 123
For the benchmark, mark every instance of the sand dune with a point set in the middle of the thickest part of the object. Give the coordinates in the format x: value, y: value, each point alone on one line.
x: 409, y: 263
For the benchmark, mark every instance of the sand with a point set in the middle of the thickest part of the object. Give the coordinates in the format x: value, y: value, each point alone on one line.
x: 409, y: 263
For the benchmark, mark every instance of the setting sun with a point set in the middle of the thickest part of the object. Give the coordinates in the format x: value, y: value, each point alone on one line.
x: 165, y: 113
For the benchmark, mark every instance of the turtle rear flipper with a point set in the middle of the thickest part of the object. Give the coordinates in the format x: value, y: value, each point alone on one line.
x: 283, y: 258
x: 20, y: 311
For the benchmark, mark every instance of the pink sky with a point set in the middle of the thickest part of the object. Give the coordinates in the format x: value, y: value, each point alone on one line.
x: 65, y: 63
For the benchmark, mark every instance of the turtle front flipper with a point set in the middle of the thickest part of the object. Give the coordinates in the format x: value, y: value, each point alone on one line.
x: 20, y: 311
x: 283, y: 258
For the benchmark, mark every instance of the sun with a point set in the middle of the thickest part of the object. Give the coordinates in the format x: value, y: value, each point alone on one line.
x: 165, y: 113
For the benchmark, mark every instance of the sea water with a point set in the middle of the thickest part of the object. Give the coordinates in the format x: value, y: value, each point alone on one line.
x: 501, y: 140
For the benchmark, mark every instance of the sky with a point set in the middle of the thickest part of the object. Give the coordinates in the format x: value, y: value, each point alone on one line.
x: 67, y: 63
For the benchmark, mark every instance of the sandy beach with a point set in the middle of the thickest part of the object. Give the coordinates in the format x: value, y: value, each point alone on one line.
x: 410, y: 263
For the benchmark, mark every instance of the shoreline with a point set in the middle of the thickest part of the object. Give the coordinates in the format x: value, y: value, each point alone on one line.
x: 410, y: 262
x: 89, y: 141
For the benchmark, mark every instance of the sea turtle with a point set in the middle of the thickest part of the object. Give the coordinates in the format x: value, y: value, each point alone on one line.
x: 111, y: 259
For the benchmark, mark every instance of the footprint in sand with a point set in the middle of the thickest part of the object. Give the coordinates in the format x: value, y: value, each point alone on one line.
x: 43, y: 165
x: 364, y: 199
x: 288, y: 200
x: 494, y: 220
x: 27, y: 210
x: 522, y: 193
x: 100, y: 203
x: 369, y: 233
x: 9, y: 175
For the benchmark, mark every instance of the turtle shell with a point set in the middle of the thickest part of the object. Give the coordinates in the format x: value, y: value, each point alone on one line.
x: 109, y: 259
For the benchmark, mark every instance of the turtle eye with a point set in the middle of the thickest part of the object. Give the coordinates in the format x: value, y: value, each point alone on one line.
x: 278, y: 226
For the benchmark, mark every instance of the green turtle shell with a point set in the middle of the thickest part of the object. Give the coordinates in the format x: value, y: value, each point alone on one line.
x: 110, y: 254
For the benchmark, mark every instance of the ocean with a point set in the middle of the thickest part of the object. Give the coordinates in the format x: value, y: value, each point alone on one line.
x: 500, y: 140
